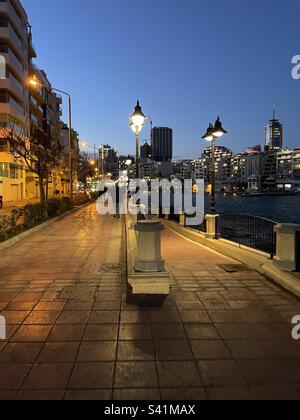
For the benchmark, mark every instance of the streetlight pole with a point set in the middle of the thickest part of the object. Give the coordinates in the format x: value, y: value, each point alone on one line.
x: 137, y: 155
x: 137, y: 123
x: 213, y: 208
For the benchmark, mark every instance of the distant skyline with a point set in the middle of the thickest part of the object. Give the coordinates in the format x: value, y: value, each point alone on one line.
x: 187, y: 61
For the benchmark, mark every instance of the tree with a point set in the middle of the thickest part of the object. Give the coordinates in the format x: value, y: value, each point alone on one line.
x: 41, y: 153
x: 85, y: 170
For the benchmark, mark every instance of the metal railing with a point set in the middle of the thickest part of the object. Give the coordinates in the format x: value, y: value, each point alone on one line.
x: 248, y: 230
x: 251, y: 231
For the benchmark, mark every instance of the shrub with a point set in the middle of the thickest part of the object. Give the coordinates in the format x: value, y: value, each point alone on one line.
x: 34, y: 214
x: 11, y: 225
x: 81, y: 199
x: 53, y: 207
x: 65, y: 205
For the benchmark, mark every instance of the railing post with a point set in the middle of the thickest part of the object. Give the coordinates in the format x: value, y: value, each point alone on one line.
x: 212, y: 226
x: 286, y: 251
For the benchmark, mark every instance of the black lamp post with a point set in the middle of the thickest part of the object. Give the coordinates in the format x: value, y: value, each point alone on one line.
x: 212, y: 134
x: 137, y: 123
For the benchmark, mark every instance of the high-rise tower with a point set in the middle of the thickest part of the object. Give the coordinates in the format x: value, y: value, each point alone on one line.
x: 274, y: 134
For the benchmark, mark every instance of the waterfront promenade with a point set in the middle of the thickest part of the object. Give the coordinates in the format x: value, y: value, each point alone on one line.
x: 72, y: 334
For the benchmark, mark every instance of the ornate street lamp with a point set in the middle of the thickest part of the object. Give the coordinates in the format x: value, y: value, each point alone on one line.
x: 213, y: 133
x: 137, y: 120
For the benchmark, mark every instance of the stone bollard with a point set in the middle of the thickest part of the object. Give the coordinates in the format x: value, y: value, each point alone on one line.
x: 211, y: 226
x: 285, y: 258
x: 149, y: 247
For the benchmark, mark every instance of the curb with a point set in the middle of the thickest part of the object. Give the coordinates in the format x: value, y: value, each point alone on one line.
x: 13, y: 241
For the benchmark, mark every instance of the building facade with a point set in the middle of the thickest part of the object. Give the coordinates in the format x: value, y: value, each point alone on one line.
x: 162, y: 144
x: 16, y: 52
x: 25, y: 109
x: 288, y: 170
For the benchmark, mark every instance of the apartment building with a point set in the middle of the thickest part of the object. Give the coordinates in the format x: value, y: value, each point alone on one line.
x: 16, y: 52
x: 25, y: 109
x: 288, y: 169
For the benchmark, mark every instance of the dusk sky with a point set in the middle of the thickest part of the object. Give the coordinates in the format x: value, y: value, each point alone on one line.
x: 188, y: 61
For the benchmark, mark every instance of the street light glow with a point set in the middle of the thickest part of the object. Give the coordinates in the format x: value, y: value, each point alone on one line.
x: 137, y: 119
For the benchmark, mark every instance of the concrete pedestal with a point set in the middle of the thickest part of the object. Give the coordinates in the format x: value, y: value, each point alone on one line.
x: 285, y: 258
x: 211, y: 226
x: 149, y: 247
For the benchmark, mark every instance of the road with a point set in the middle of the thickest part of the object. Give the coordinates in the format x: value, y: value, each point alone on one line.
x: 73, y: 335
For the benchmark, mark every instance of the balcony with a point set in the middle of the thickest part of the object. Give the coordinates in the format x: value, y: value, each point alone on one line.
x: 13, y: 87
x: 13, y: 62
x: 7, y: 9
x: 14, y: 111
x: 9, y: 35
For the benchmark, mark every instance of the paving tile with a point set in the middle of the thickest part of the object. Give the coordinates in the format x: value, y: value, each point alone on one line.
x: 275, y: 393
x: 15, y: 317
x: 73, y: 317
x: 90, y: 395
x: 92, y: 376
x: 241, y: 393
x: 50, y: 306
x: 178, y: 374
x: 101, y: 332
x: 246, y: 349
x: 104, y: 317
x: 220, y: 374
x: 32, y: 334
x: 58, y: 352
x: 67, y: 333
x: 24, y: 353
x: 40, y: 396
x: 135, y: 317
x: 6, y: 297
x: 41, y: 318
x: 48, y: 377
x: 210, y: 350
x: 201, y: 332
x: 129, y: 351
x: 136, y: 375
x: 235, y: 331
x: 168, y: 332
x: 28, y: 297
x: 173, y: 350
x: 266, y: 372
x: 7, y: 395
x: 12, y: 376
x: 106, y: 306
x: 135, y: 332
x: 103, y: 351
x: 25, y: 306
x: 195, y: 317
x: 136, y: 395
x: 183, y: 394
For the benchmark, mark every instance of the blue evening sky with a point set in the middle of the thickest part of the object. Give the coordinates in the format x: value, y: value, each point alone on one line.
x: 188, y: 61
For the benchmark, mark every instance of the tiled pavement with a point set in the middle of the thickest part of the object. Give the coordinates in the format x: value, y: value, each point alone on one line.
x: 72, y: 334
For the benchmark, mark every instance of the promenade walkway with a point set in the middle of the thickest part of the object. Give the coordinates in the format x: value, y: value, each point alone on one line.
x: 72, y: 335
